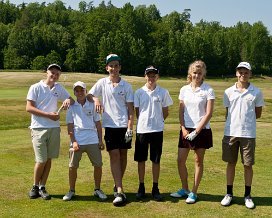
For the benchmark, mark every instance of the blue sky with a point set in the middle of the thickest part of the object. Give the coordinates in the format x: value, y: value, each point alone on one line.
x: 227, y: 12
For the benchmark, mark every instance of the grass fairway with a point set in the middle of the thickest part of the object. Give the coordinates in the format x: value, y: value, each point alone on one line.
x: 17, y: 161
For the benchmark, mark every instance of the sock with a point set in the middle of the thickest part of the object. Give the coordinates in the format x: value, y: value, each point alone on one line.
x: 247, y: 190
x: 155, y: 185
x: 230, y: 189
x: 141, y: 186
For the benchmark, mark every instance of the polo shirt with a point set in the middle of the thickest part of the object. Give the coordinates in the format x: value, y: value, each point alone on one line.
x: 83, y: 118
x: 150, y: 104
x: 114, y: 101
x: 241, y: 119
x: 195, y: 103
x: 46, y: 99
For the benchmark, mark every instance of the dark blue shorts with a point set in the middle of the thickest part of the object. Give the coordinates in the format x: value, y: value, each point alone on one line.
x: 155, y: 139
x: 115, y: 138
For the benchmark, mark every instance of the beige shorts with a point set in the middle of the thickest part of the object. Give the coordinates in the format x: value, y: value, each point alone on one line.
x: 46, y: 143
x: 93, y: 152
x: 231, y: 146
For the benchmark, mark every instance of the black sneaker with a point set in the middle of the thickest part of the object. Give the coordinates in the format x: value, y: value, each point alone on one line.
x: 34, y: 192
x: 43, y: 193
x: 157, y: 195
x: 141, y: 194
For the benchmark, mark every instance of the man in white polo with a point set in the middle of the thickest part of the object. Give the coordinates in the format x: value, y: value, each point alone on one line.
x: 151, y: 105
x: 243, y: 103
x: 85, y: 131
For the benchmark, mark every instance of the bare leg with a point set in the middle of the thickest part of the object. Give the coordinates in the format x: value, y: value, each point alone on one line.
x: 248, y: 175
x: 41, y: 172
x: 199, y: 166
x: 183, y: 173
x: 123, y: 159
x: 156, y: 172
x: 141, y: 171
x: 230, y: 173
x: 116, y: 169
x: 97, y: 177
x: 72, y: 177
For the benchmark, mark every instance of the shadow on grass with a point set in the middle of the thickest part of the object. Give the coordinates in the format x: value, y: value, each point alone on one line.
x: 131, y: 197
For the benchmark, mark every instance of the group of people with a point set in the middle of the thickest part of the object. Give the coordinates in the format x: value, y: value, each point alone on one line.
x: 113, y: 97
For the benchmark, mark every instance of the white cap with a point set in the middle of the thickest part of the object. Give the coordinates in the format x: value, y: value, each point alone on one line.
x: 79, y: 83
x: 244, y: 65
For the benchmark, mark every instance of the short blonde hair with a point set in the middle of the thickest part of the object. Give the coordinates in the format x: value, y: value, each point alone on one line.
x: 196, y: 65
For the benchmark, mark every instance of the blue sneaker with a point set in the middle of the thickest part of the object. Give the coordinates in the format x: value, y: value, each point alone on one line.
x: 180, y: 193
x: 191, y: 198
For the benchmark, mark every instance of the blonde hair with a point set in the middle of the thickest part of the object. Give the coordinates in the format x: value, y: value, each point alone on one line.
x: 196, y: 65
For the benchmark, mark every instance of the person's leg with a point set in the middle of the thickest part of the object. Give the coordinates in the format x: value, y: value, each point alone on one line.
x: 38, y: 172
x: 155, y: 172
x: 97, y: 176
x: 72, y: 178
x: 141, y: 171
x: 183, y: 173
x: 199, y: 166
x: 123, y: 160
x: 116, y: 169
x: 46, y: 171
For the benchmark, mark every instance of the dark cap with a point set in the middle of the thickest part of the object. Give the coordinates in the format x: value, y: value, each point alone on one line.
x: 112, y: 57
x: 54, y: 66
x: 152, y: 69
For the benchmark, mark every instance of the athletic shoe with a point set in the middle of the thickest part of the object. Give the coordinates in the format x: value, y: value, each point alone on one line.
x: 191, y: 198
x: 34, y: 192
x: 249, y: 203
x: 114, y: 191
x: 141, y: 194
x: 157, y: 195
x: 100, y: 194
x: 180, y: 193
x: 120, y: 199
x: 44, y: 194
x: 69, y: 196
x: 226, y: 200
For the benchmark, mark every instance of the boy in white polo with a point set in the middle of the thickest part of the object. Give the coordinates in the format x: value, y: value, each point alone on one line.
x: 117, y: 119
x: 243, y: 103
x: 85, y: 131
x: 42, y: 100
x: 151, y: 105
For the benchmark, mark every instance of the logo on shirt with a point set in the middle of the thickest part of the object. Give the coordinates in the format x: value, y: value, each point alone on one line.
x: 121, y: 93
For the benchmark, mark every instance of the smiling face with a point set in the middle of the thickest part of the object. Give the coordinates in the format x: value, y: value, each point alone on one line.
x: 113, y: 68
x: 196, y: 72
x: 80, y: 93
x: 53, y: 75
x: 243, y: 75
x: 151, y: 78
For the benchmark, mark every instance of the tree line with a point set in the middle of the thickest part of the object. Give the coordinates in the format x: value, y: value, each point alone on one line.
x: 34, y: 35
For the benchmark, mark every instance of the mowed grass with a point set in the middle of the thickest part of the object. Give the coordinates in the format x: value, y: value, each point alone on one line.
x: 17, y: 161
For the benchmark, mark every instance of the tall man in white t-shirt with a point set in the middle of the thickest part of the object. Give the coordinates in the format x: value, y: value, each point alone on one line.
x: 117, y: 119
x: 85, y: 131
x: 243, y: 103
x: 42, y: 99
x: 151, y: 105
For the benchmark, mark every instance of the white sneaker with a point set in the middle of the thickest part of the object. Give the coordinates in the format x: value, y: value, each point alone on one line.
x: 100, y: 194
x: 226, y: 200
x: 249, y: 203
x: 120, y: 199
x: 68, y: 196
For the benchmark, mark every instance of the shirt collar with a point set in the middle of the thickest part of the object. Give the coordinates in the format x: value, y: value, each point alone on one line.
x: 109, y: 81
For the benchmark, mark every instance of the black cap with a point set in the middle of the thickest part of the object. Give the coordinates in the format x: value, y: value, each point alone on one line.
x: 54, y: 66
x: 152, y: 69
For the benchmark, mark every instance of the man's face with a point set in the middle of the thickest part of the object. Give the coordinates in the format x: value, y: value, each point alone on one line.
x: 243, y: 74
x: 151, y: 77
x: 53, y: 74
x: 80, y: 93
x: 113, y: 68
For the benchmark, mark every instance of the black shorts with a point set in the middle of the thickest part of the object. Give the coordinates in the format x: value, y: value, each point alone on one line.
x: 202, y: 140
x: 115, y: 138
x: 155, y: 139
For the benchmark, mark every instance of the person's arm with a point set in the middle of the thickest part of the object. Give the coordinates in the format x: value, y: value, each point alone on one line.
x: 99, y: 133
x: 207, y: 117
x: 226, y: 115
x: 137, y: 112
x: 70, y: 128
x: 130, y: 115
x: 165, y: 112
x: 181, y: 119
x: 258, y: 112
x: 31, y: 108
x: 98, y: 106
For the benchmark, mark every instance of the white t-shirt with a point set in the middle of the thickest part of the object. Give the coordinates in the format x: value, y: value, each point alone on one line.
x: 84, y: 118
x: 46, y: 99
x: 195, y: 104
x: 241, y: 120
x: 150, y: 104
x: 114, y: 101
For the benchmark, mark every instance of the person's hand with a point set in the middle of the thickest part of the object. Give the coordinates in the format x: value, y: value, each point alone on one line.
x: 191, y: 136
x: 98, y: 106
x: 101, y: 145
x: 75, y: 146
x: 53, y: 116
x: 66, y: 104
x: 128, y: 135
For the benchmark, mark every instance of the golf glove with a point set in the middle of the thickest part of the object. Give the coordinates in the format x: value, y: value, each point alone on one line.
x: 128, y: 135
x: 191, y: 136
